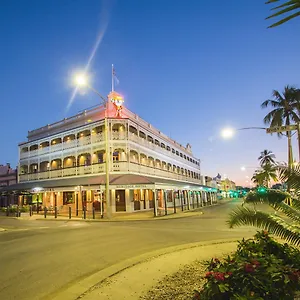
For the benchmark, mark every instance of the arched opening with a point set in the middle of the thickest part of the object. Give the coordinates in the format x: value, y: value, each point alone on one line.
x: 84, y: 159
x: 33, y: 147
x: 174, y: 169
x: 24, y: 169
x: 164, y: 165
x: 55, y: 164
x: 134, y: 156
x: 69, y: 162
x: 177, y: 153
x: 118, y: 131
x: 143, y: 159
x: 44, y: 145
x: 168, y: 148
x: 157, y: 164
x: 142, y: 135
x: 184, y: 156
x: 150, y: 139
x: 169, y: 167
x: 98, y: 157
x: 83, y: 134
x: 163, y: 145
x: 68, y: 138
x: 97, y: 130
x: 33, y: 168
x: 56, y: 141
x: 151, y: 161
x: 173, y: 150
x: 156, y: 142
x: 24, y: 150
x: 181, y: 155
x: 44, y: 166
x: 133, y: 130
x: 119, y: 155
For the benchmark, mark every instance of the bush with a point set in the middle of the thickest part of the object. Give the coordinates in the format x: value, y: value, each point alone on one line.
x: 261, y: 268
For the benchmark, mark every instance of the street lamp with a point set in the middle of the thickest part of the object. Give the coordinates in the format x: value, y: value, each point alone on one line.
x: 81, y: 80
x: 229, y: 132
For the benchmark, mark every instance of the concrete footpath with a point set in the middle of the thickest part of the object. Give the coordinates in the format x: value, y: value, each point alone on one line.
x: 120, y: 217
x: 133, y: 278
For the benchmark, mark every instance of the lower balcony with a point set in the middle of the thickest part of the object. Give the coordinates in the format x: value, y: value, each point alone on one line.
x: 116, y: 167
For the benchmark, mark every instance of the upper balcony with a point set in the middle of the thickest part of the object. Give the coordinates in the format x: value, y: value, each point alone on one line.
x: 155, y: 170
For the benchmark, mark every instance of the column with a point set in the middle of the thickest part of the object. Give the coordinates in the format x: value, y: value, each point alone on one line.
x: 155, y: 203
x: 188, y: 199
x: 113, y: 200
x: 127, y: 201
x: 147, y: 198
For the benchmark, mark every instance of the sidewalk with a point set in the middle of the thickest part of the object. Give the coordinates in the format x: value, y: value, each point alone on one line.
x: 133, y: 278
x: 136, y: 216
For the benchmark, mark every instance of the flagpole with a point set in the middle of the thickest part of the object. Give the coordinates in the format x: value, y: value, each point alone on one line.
x: 112, y: 77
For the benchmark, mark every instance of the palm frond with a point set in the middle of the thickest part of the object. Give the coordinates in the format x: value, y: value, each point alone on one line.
x: 289, y: 6
x: 274, y: 224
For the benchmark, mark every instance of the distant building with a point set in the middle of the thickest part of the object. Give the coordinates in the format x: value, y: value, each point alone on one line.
x: 8, y: 176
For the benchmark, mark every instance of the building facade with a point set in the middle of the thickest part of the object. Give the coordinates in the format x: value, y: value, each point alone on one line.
x: 63, y: 164
x: 8, y: 177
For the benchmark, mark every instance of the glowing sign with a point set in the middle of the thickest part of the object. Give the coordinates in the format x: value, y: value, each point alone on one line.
x: 118, y: 101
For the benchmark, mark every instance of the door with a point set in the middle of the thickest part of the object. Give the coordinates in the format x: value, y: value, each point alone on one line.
x: 120, y: 200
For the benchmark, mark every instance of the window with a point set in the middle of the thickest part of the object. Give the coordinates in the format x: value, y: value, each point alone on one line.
x: 68, y: 198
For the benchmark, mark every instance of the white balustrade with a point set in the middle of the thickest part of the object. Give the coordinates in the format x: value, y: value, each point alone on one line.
x: 85, y: 140
x: 56, y: 173
x: 69, y: 171
x: 44, y: 175
x: 23, y: 155
x: 56, y: 147
x: 70, y: 144
x: 44, y: 150
x: 96, y: 138
x: 23, y: 177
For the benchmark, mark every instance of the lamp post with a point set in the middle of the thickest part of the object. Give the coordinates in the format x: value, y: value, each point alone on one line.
x: 81, y: 80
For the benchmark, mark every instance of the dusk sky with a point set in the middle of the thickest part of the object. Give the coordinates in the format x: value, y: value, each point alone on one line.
x: 187, y: 67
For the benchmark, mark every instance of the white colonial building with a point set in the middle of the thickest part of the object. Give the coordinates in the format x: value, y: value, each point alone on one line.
x: 63, y: 164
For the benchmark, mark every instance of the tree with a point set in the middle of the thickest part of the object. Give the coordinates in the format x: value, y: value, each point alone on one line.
x: 264, y: 176
x: 286, y: 227
x: 289, y: 6
x: 285, y: 112
x: 266, y: 157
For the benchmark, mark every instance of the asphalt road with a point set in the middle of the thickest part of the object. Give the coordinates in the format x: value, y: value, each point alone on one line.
x: 39, y: 259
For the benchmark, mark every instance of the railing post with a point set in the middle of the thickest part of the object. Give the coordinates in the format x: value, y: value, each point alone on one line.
x: 55, y: 212
x: 84, y: 212
x: 45, y: 212
x: 18, y: 211
x: 30, y: 210
x: 70, y: 212
x: 7, y: 211
x: 165, y: 200
x: 94, y: 213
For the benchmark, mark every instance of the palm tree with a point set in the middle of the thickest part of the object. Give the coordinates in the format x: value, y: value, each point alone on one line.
x: 289, y: 6
x: 258, y: 178
x: 264, y: 176
x: 266, y: 157
x: 286, y: 227
x: 286, y: 106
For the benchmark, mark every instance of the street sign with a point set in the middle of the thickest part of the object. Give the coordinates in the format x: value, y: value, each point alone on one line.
x: 281, y: 128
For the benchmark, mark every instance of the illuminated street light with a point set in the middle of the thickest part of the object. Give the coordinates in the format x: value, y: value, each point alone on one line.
x: 81, y: 80
x: 243, y: 168
x: 227, y: 133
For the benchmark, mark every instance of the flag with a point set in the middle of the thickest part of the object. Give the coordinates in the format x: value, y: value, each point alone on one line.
x: 115, y: 78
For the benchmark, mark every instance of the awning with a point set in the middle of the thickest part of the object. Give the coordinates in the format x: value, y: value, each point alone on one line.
x: 116, y: 179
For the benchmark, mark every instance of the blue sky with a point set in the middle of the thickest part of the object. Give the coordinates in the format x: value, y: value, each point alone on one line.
x: 187, y: 67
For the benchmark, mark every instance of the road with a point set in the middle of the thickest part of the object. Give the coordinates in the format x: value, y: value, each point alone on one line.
x: 39, y: 259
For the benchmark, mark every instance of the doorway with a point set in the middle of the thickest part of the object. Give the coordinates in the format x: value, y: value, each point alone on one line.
x: 120, y: 200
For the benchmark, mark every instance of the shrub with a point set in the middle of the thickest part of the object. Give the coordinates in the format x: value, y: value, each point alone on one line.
x: 261, y: 268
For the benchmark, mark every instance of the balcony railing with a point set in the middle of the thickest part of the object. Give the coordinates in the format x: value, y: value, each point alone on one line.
x: 116, y: 167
